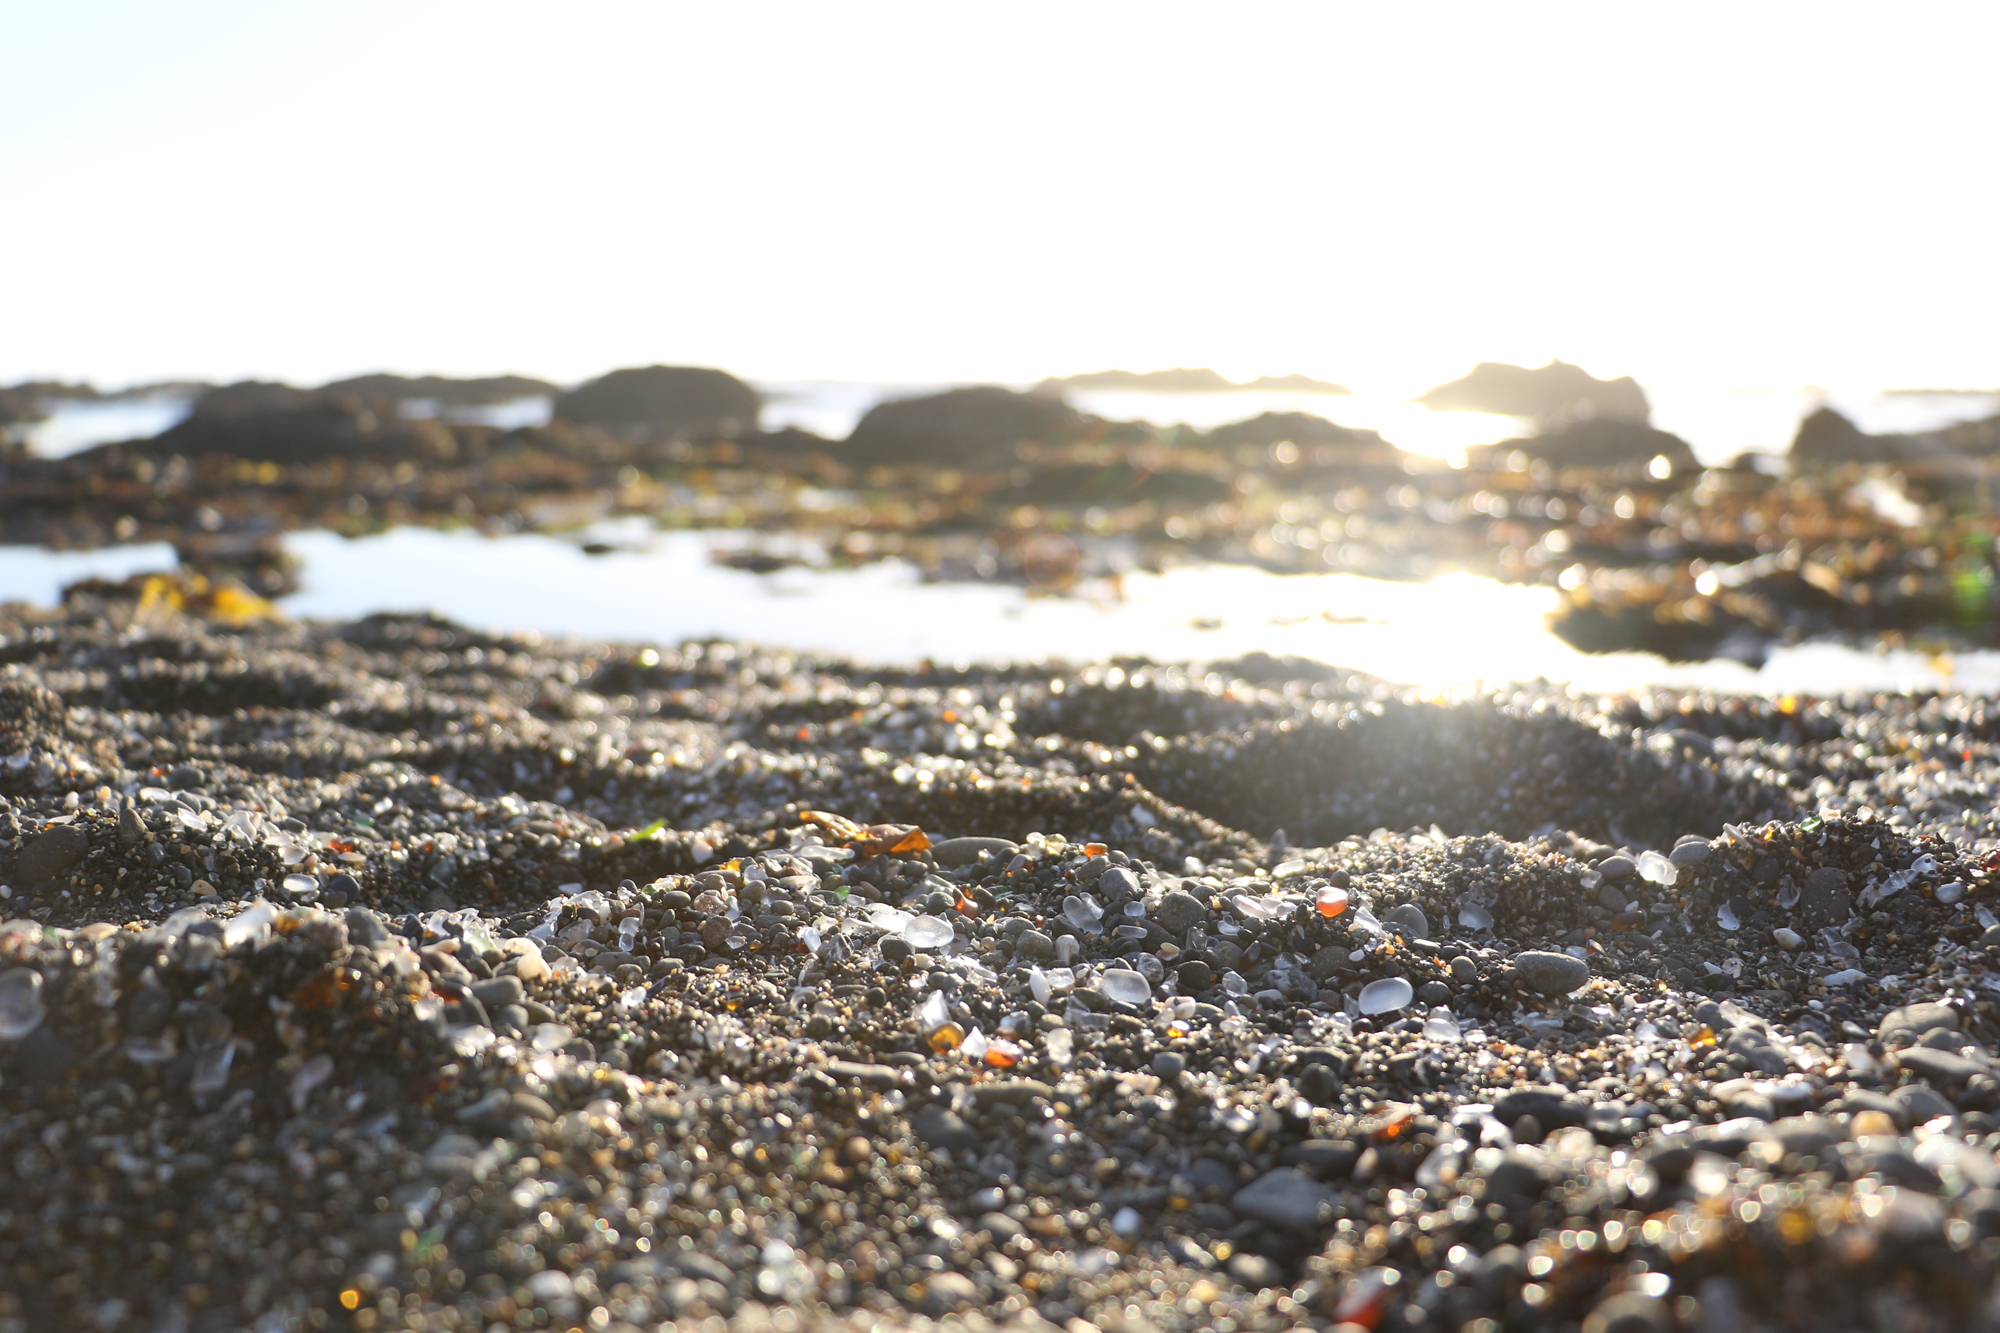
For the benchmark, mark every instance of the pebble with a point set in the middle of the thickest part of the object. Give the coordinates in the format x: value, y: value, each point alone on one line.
x: 1180, y: 911
x: 56, y: 851
x: 1193, y: 1133
x: 1287, y: 1198
x: 1410, y: 919
x: 1552, y: 973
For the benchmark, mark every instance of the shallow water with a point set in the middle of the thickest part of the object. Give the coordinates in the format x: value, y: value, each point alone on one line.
x: 1451, y: 632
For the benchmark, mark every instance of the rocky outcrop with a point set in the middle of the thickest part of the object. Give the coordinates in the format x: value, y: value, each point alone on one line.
x: 444, y: 391
x: 663, y: 402
x: 282, y: 424
x: 961, y: 426
x: 1557, y: 392
x: 1592, y: 444
x: 1828, y: 439
x: 1187, y: 380
x: 1319, y: 442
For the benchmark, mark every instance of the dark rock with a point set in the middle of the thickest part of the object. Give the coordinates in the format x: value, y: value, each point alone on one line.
x: 499, y: 991
x: 1823, y: 897
x: 487, y: 391
x: 1323, y: 445
x: 281, y: 424
x: 1555, y: 392
x: 1035, y: 944
x: 1195, y: 976
x: 1617, y: 866
x: 1915, y: 1020
x: 940, y: 1128
x: 656, y: 402
x: 1920, y: 1103
x: 56, y: 851
x: 1329, y: 1159
x: 1551, y: 973
x: 960, y: 426
x: 1941, y: 1069
x: 1554, y: 1109
x: 1287, y: 1198
x: 1595, y: 444
x: 1434, y: 992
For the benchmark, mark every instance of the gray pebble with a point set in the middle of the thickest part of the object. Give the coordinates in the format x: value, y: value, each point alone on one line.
x: 1617, y: 866
x: 51, y: 853
x: 1687, y: 853
x: 1552, y: 973
x: 1035, y: 944
x: 1180, y: 911
x: 1286, y: 1198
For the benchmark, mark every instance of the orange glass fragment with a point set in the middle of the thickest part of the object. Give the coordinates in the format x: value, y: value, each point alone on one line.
x: 1332, y: 902
x: 947, y: 1038
x: 1094, y: 849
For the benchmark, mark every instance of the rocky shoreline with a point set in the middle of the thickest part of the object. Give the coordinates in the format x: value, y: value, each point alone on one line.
x: 1863, y: 539
x: 393, y: 974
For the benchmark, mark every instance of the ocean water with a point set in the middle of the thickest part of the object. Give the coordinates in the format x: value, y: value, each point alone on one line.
x: 1453, y: 633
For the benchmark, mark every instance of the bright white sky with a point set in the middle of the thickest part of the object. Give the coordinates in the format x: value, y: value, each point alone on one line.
x: 1379, y: 194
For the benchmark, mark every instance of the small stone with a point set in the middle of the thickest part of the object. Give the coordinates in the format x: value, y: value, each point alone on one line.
x: 1552, y: 973
x: 1434, y: 992
x: 1612, y: 898
x: 1823, y: 899
x: 1787, y: 938
x: 499, y: 991
x: 52, y: 853
x: 1617, y: 866
x: 531, y: 967
x: 1463, y: 969
x: 1287, y: 1198
x: 1168, y: 1064
x: 1037, y: 945
x: 941, y: 1128
x: 1117, y: 884
x: 1689, y: 852
x: 131, y: 827
x: 1179, y: 912
x: 953, y: 853
x: 1195, y: 976
x: 1914, y: 1020
x: 364, y: 928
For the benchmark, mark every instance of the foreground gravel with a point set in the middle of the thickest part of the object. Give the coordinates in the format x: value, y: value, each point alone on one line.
x: 396, y: 975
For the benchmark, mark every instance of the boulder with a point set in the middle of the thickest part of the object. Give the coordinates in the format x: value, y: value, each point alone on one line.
x: 1603, y: 442
x: 279, y: 423
x: 960, y: 426
x: 483, y: 391
x: 656, y: 402
x: 1828, y: 439
x: 1553, y: 393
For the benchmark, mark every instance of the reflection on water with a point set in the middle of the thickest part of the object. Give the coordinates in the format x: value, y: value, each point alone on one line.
x: 1453, y: 631
x: 29, y: 574
x: 663, y: 587
x: 74, y: 426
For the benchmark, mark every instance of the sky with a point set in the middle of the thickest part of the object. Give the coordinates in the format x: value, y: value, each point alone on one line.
x: 1379, y: 195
